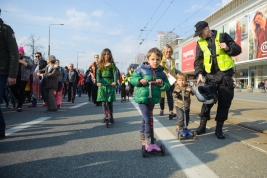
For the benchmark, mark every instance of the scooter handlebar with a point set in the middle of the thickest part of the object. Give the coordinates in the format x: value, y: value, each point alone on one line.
x: 152, y: 83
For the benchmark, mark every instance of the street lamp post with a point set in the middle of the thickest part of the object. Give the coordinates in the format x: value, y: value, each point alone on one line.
x: 49, y: 38
x: 77, y: 58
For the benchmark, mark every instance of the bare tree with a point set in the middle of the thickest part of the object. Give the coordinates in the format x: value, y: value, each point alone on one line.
x: 33, y: 45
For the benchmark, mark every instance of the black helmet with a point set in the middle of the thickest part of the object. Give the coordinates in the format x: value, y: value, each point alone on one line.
x: 206, y: 94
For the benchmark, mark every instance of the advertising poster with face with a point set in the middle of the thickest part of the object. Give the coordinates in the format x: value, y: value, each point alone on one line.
x: 238, y: 30
x: 258, y: 33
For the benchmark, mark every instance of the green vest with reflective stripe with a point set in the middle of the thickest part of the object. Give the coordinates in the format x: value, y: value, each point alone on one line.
x: 224, y: 61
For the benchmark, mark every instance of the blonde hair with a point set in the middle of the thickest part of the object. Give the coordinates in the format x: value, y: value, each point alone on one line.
x: 156, y: 51
x: 254, y: 27
x: 181, y: 76
x: 165, y: 48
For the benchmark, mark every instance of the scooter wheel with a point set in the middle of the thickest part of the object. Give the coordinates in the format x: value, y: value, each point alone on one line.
x: 143, y: 151
x: 162, y: 150
x: 194, y: 135
x: 179, y: 136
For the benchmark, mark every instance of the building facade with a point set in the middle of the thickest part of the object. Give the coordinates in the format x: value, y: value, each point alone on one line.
x: 165, y: 38
x: 246, y: 22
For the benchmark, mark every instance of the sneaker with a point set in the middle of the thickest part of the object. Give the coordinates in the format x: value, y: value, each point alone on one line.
x: 142, y: 137
x: 148, y: 140
x: 58, y: 106
x: 44, y: 103
x: 31, y: 105
x: 19, y: 110
x: 161, y: 113
x: 179, y: 129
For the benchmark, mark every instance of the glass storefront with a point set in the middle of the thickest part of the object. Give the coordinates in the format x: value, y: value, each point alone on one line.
x: 258, y: 74
x: 241, y: 77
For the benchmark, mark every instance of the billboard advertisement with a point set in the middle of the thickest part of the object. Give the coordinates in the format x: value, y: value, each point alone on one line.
x: 238, y: 30
x: 188, y: 56
x: 258, y: 33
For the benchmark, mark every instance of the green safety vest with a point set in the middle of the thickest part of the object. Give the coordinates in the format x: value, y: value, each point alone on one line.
x: 224, y: 61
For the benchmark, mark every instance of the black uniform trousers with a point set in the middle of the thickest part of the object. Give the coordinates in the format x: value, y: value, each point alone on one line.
x: 225, y: 88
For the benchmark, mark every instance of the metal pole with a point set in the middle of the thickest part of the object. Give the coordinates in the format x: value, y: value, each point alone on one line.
x: 49, y: 42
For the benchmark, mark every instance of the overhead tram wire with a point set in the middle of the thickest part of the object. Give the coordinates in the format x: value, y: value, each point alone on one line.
x: 192, y: 15
x: 63, y: 19
x: 145, y: 26
x: 121, y: 14
x: 153, y: 27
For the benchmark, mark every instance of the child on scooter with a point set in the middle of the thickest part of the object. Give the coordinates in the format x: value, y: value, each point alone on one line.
x: 181, y: 80
x: 150, y: 71
x: 106, y: 74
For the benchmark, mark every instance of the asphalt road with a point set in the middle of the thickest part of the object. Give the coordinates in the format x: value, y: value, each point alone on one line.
x: 74, y: 143
x: 262, y: 97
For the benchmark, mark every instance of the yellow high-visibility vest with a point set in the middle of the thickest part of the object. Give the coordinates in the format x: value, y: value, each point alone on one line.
x: 224, y: 61
x: 130, y: 72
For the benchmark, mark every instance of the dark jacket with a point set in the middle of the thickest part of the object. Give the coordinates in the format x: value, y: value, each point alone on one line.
x: 179, y: 98
x: 26, y: 71
x: 142, y: 91
x: 9, y: 55
x: 51, y: 76
x: 234, y: 50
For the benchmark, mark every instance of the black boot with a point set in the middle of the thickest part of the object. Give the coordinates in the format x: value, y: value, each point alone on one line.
x: 202, y: 127
x: 218, y: 131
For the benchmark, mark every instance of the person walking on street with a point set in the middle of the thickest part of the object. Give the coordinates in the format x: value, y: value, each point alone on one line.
x: 66, y: 83
x: 168, y: 63
x: 88, y: 83
x: 40, y: 63
x: 9, y: 63
x: 72, y: 81
x: 80, y: 84
x: 24, y: 72
x: 129, y: 74
x: 214, y: 62
x: 94, y: 68
x: 61, y: 79
x: 50, y: 74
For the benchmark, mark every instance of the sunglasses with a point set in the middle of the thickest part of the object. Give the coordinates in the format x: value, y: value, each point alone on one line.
x: 20, y: 54
x: 37, y: 56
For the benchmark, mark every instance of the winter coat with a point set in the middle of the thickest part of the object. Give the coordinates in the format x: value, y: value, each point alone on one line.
x: 80, y: 81
x: 51, y: 76
x: 142, y: 91
x: 178, y: 96
x: 26, y: 70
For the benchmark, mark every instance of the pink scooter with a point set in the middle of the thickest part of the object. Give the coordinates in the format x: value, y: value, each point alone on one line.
x: 152, y: 148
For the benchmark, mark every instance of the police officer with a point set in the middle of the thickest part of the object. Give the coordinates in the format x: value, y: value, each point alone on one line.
x: 214, y: 62
x: 9, y: 62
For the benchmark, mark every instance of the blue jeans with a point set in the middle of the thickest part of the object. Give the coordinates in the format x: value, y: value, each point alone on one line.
x: 145, y: 126
x: 3, y: 80
x: 79, y: 90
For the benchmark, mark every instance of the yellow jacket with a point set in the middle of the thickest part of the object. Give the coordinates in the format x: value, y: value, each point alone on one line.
x: 163, y: 63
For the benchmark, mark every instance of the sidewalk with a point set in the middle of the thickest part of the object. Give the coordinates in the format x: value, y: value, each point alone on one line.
x: 248, y: 114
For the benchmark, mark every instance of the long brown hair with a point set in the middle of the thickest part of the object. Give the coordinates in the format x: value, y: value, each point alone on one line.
x: 102, y: 58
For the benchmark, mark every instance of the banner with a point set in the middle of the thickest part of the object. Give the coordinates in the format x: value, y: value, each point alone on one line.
x: 258, y: 33
x: 188, y: 56
x: 238, y: 30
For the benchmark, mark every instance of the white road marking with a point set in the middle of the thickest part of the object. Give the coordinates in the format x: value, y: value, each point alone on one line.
x: 191, y: 165
x: 78, y: 105
x: 25, y: 125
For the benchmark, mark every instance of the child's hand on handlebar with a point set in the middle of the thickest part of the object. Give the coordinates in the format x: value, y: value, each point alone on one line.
x: 99, y: 84
x: 113, y: 84
x: 178, y: 90
x: 143, y: 81
x: 188, y: 89
x: 159, y: 81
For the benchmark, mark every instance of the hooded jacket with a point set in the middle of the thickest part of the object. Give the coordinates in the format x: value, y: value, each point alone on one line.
x: 142, y: 91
